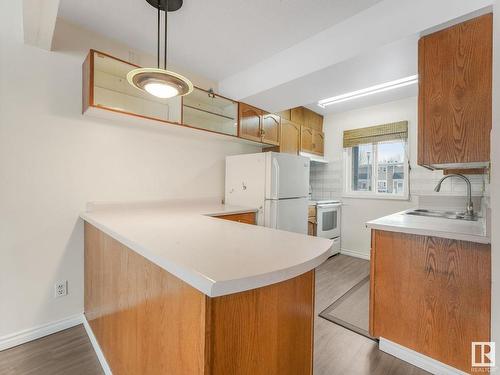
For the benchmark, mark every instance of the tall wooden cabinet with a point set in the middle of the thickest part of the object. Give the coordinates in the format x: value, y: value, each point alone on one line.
x: 311, y: 133
x: 430, y: 294
x: 318, y: 142
x: 290, y: 137
x: 306, y: 139
x: 455, y: 95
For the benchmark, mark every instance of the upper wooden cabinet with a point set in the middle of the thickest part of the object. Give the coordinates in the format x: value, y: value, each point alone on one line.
x: 271, y: 128
x: 107, y: 94
x: 259, y: 126
x: 297, y: 115
x: 313, y: 120
x: 304, y: 116
x: 290, y: 137
x: 306, y: 139
x: 455, y: 95
x: 286, y: 114
x: 206, y: 110
x: 318, y: 142
x: 105, y: 86
x: 250, y: 122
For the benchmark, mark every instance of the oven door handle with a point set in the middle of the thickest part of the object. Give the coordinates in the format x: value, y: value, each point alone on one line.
x: 329, y: 205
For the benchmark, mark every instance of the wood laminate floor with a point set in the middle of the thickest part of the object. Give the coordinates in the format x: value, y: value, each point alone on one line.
x: 336, y: 349
x: 68, y: 352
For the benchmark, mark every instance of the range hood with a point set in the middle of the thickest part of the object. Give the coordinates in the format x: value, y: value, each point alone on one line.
x: 314, y: 158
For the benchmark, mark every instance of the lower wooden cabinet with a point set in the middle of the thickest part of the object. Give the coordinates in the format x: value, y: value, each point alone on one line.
x: 311, y: 221
x: 148, y: 321
x: 245, y: 217
x: 430, y: 294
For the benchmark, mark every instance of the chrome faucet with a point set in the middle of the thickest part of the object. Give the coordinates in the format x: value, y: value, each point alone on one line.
x: 469, y: 209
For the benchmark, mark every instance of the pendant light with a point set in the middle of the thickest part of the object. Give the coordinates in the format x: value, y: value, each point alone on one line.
x: 158, y: 82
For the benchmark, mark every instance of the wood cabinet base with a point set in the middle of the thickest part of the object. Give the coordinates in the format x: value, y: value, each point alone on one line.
x: 430, y: 294
x: 148, y: 321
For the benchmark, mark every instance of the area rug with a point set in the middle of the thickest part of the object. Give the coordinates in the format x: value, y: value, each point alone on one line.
x: 351, y: 309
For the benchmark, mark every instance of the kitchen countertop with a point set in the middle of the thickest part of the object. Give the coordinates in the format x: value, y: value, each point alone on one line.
x: 215, y: 256
x: 473, y: 231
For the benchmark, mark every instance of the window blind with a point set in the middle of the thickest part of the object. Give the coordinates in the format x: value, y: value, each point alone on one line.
x: 386, y: 132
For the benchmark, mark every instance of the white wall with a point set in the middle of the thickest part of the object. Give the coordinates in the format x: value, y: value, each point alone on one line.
x: 53, y: 160
x: 495, y: 186
x: 327, y: 181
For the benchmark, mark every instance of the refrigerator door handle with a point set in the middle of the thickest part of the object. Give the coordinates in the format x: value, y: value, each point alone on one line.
x: 276, y: 178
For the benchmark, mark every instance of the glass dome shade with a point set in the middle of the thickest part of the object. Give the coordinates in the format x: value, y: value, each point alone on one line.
x: 160, y: 82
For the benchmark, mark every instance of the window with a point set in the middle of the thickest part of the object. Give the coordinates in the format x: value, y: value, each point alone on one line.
x: 376, y: 161
x: 377, y: 170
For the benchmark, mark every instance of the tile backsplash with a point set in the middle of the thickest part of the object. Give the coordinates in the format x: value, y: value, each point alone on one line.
x: 327, y: 182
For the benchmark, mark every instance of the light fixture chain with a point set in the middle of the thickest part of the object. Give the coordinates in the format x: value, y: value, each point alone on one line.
x: 166, y: 31
x: 158, y: 41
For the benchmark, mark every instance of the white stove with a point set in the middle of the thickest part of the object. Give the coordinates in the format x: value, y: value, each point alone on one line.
x: 328, y: 218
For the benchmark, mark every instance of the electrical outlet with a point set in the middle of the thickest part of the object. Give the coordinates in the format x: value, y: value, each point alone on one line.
x: 61, y: 288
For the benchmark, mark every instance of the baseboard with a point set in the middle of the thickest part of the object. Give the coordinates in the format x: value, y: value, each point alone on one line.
x: 417, y: 359
x: 97, y: 348
x: 356, y: 254
x: 24, y: 336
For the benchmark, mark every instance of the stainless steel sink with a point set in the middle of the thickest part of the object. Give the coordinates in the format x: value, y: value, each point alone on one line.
x: 443, y: 214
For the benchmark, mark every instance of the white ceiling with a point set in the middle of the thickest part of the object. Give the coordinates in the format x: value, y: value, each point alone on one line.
x: 213, y: 38
x: 278, y: 54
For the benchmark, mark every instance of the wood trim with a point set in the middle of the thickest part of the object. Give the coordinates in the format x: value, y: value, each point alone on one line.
x: 87, y: 78
x: 114, y: 58
x: 244, y: 217
x: 466, y: 171
x: 371, y: 321
x: 421, y: 156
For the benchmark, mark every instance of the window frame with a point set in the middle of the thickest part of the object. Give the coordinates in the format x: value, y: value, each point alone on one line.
x: 374, y: 194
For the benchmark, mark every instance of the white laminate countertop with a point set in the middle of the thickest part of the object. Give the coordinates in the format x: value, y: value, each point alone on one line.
x: 473, y: 231
x: 213, y: 255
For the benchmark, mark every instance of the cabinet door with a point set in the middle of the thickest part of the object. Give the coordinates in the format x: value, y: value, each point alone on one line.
x: 290, y: 137
x: 318, y: 142
x: 430, y: 294
x: 286, y: 114
x: 271, y: 129
x: 306, y: 139
x: 250, y: 122
x: 312, y: 120
x: 455, y: 80
x: 297, y: 115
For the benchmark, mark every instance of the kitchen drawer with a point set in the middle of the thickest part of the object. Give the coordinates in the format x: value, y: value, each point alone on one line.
x: 245, y: 217
x: 311, y: 211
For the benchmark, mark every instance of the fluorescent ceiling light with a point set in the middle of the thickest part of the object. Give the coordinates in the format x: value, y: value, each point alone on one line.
x: 369, y: 91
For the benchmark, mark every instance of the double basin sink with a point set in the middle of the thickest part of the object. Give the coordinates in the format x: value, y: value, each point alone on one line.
x: 443, y: 214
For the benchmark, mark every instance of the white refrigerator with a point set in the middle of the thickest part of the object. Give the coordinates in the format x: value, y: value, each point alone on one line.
x: 278, y: 184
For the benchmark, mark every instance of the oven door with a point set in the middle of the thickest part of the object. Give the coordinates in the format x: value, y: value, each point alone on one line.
x: 328, y: 220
